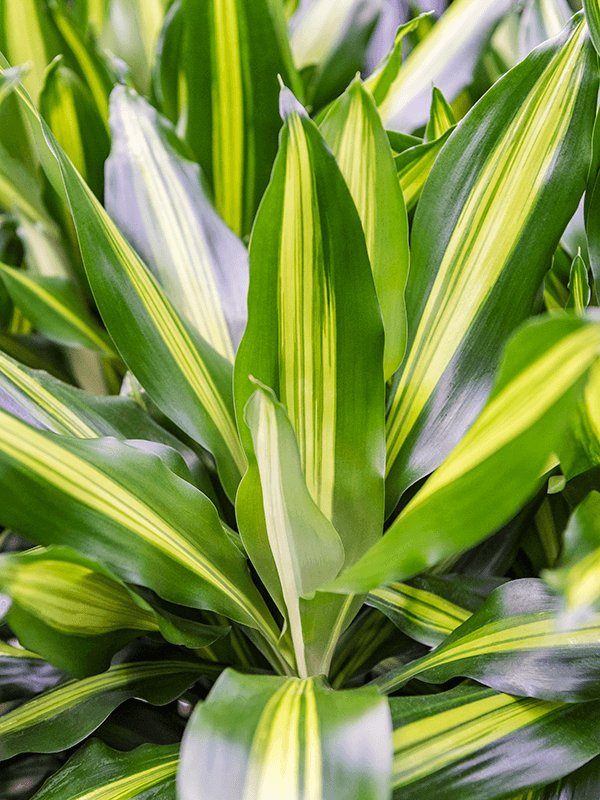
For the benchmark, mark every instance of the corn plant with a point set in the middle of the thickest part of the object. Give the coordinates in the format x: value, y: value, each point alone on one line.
x: 299, y: 400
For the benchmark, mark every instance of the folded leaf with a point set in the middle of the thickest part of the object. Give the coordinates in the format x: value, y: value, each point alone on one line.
x: 519, y: 643
x: 445, y: 58
x: 471, y: 743
x: 126, y: 509
x: 231, y: 120
x: 524, y: 182
x: 354, y: 132
x: 156, y: 198
x: 293, y: 546
x: 98, y: 771
x: 62, y: 717
x: 261, y: 737
x: 314, y: 331
x: 503, y: 455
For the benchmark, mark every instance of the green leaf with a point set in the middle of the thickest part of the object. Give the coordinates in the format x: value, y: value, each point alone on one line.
x: 314, y: 331
x: 186, y: 378
x: 56, y: 309
x: 293, y: 546
x: 231, y: 121
x: 62, y: 717
x: 156, y: 198
x: 441, y: 116
x: 525, y: 180
x: 579, y: 286
x: 592, y: 13
x: 413, y: 166
x: 76, y: 614
x: 69, y: 109
x: 445, y: 58
x: 504, y: 455
x: 358, y: 140
x: 127, y: 510
x: 518, y: 642
x: 168, y: 79
x: 577, y: 576
x: 98, y: 771
x: 470, y: 743
x: 263, y: 737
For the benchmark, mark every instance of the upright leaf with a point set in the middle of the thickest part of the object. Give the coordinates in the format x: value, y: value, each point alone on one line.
x: 261, y: 737
x: 157, y: 199
x: 355, y: 134
x: 524, y: 182
x: 504, y: 455
x: 592, y: 13
x: 233, y: 52
x: 441, y: 116
x: 314, y: 330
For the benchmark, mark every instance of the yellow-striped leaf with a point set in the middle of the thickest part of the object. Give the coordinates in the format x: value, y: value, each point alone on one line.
x: 470, y: 743
x: 413, y: 166
x: 314, y: 332
x: 354, y: 132
x: 504, y: 455
x: 97, y: 772
x: 231, y: 120
x: 592, y: 13
x: 441, y: 116
x: 62, y: 717
x: 520, y: 624
x: 156, y: 198
x: 468, y: 239
x: 445, y: 58
x: 580, y: 291
x: 126, y: 509
x: 55, y: 309
x: 263, y: 737
x: 293, y: 546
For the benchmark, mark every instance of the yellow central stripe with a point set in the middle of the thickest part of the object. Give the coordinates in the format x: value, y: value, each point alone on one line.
x: 133, y: 785
x: 307, y: 324
x: 485, y: 235
x: 425, y: 607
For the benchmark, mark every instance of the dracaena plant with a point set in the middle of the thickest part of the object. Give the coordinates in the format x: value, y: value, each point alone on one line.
x: 299, y: 400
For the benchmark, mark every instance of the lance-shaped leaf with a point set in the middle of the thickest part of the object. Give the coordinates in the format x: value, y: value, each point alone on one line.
x: 578, y: 573
x: 182, y: 373
x: 525, y: 180
x: 99, y: 771
x: 441, y: 116
x: 259, y: 738
x: 76, y: 614
x: 69, y: 109
x: 157, y: 199
x: 329, y: 43
x: 294, y: 547
x: 472, y: 742
x: 354, y: 132
x: 55, y: 308
x: 231, y: 121
x: 413, y: 166
x: 127, y: 510
x: 23, y: 673
x: 503, y: 456
x: 518, y: 642
x: 445, y: 57
x: 62, y: 717
x: 168, y: 80
x: 579, y: 286
x: 592, y: 13
x: 314, y: 331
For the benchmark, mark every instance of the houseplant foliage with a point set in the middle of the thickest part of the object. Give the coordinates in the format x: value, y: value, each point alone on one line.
x: 299, y: 400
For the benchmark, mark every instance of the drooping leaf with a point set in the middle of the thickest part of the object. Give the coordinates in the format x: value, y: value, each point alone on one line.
x: 55, y: 489
x: 468, y: 236
x: 518, y: 643
x: 157, y: 199
x: 62, y: 717
x: 503, y: 456
x: 294, y: 547
x: 231, y: 120
x: 263, y: 737
x: 314, y: 332
x: 96, y: 770
x: 445, y: 58
x: 470, y: 742
x: 354, y: 132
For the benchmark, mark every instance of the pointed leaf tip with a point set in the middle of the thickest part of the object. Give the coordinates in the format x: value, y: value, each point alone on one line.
x: 289, y: 104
